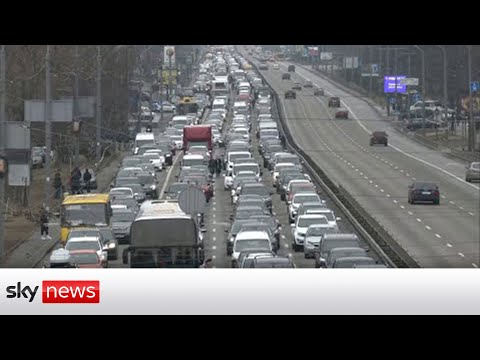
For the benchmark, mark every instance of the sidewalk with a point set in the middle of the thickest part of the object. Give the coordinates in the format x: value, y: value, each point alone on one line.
x: 34, y: 249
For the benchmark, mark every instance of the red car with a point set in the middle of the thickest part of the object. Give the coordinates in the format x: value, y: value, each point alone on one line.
x: 341, y: 114
x: 86, y: 259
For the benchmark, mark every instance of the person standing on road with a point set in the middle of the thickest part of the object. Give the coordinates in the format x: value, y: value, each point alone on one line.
x: 75, y: 182
x: 57, y: 184
x: 86, y: 179
x: 219, y: 166
x: 44, y: 226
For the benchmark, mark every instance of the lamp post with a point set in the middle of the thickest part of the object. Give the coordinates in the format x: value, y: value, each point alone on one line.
x: 423, y: 85
x: 471, y: 127
x: 445, y: 91
x: 170, y: 53
x: 2, y: 149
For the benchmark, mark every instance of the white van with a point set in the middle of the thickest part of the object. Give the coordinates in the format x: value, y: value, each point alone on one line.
x: 180, y: 120
x: 143, y: 139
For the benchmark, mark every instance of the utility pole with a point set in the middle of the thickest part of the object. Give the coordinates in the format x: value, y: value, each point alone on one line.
x: 48, y: 130
x: 387, y: 96
x: 370, y: 77
x: 408, y: 93
x: 75, y: 108
x: 161, y: 94
x: 2, y: 152
x: 170, y: 54
x: 99, y: 103
x: 423, y: 86
x: 445, y: 91
x: 471, y: 127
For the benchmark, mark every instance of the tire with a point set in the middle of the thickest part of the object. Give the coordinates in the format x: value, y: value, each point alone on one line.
x: 386, y: 144
x: 467, y: 179
x: 409, y: 201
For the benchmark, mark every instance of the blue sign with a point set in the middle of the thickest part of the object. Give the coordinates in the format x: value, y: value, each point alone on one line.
x: 474, y: 86
x: 392, y: 84
x: 416, y: 97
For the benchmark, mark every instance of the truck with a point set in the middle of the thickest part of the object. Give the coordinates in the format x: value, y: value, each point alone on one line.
x: 197, y: 135
x: 163, y: 236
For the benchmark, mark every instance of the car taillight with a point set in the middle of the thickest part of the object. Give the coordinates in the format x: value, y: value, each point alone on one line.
x: 436, y: 192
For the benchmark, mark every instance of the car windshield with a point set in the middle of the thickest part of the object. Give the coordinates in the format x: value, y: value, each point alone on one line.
x: 136, y: 188
x: 239, y: 156
x: 151, y: 156
x: 426, y: 186
x: 140, y: 143
x: 121, y: 192
x: 83, y: 232
x: 245, y: 214
x: 123, y: 216
x: 273, y: 263
x: 256, y: 190
x: 319, y: 231
x: 193, y: 162
x: 246, y: 167
x: 256, y: 227
x: 82, y: 245
x: 306, y: 222
x: 85, y: 214
x: 305, y: 198
x: 106, y: 234
x: 85, y: 258
x: 347, y: 263
x: 146, y: 179
x: 338, y: 243
x: 254, y: 244
x: 329, y: 215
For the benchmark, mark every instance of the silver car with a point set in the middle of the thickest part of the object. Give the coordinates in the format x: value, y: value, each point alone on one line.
x: 472, y: 172
x: 121, y: 221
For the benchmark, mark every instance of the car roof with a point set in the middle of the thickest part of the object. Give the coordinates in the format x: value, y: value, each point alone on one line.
x: 83, y: 238
x: 312, y: 216
x: 250, y: 235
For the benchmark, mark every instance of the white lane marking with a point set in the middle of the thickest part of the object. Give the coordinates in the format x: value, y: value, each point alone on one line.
x: 214, y: 248
x: 474, y: 265
x: 396, y: 148
x: 376, y: 185
x: 395, y: 201
x: 472, y: 214
x: 449, y: 245
x: 361, y: 172
x: 461, y: 255
x: 419, y: 220
x: 214, y: 203
x: 451, y: 202
x: 461, y: 208
x: 444, y: 197
x: 428, y: 227
x: 167, y: 179
x: 410, y: 213
x: 401, y: 171
x: 408, y: 173
x: 438, y: 236
x: 366, y: 177
x: 403, y: 207
x: 371, y: 181
x: 214, y: 230
x: 214, y: 222
x: 214, y: 215
x: 214, y: 257
x: 286, y: 246
x: 388, y: 195
x: 382, y: 189
x: 283, y: 237
x: 214, y: 238
x: 357, y: 169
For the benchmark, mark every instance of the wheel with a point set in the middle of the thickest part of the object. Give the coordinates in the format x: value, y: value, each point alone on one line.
x: 386, y: 144
x: 467, y: 179
x: 409, y: 201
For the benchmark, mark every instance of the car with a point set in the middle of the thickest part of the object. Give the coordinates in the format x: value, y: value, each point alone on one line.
x: 472, y: 171
x: 121, y: 220
x: 290, y: 94
x: 424, y: 191
x: 285, y: 76
x: 334, y: 101
x: 263, y: 67
x: 343, y: 252
x: 250, y: 240
x: 109, y: 242
x: 379, y: 137
x: 88, y: 242
x: 272, y: 262
x: 341, y: 113
x: 291, y: 68
x: 299, y: 229
x: 352, y: 262
x: 332, y: 241
x: 86, y: 259
x: 297, y: 86
x: 308, y: 84
x: 314, y: 235
x: 248, y: 258
x: 276, y: 66
x: 318, y: 92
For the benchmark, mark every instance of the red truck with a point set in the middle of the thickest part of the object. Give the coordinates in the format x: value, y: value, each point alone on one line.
x: 197, y: 135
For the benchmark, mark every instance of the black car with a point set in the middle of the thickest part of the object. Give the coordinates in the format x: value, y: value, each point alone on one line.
x: 291, y: 68
x: 285, y: 76
x: 290, y: 94
x: 318, y: 92
x: 379, y: 137
x: 334, y: 101
x: 423, y: 191
x: 297, y: 86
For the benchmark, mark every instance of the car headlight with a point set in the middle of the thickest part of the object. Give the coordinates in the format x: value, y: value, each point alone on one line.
x: 111, y: 245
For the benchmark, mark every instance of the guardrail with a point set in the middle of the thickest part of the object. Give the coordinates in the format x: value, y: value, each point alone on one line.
x: 376, y: 236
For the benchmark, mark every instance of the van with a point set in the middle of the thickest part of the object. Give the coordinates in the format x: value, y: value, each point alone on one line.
x: 143, y: 139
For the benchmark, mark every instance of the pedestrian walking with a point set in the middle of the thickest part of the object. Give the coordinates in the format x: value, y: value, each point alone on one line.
x: 44, y: 226
x: 57, y: 184
x: 87, y: 176
x: 219, y: 166
x: 76, y: 177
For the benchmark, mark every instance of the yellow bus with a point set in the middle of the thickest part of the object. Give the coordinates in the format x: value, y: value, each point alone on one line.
x: 84, y: 210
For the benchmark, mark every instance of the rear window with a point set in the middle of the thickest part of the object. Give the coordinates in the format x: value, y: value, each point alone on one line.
x: 430, y: 186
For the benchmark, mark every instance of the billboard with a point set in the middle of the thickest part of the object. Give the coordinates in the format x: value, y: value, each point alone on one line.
x: 19, y: 175
x: 17, y: 135
x: 167, y: 51
x: 392, y: 84
x: 350, y: 62
x: 62, y: 110
x: 313, y: 50
x: 165, y: 74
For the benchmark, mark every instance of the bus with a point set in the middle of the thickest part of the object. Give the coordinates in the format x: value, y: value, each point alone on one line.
x: 187, y: 105
x: 84, y: 210
x: 163, y: 236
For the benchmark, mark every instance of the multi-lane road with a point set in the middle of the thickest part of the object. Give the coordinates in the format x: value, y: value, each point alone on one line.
x: 441, y: 236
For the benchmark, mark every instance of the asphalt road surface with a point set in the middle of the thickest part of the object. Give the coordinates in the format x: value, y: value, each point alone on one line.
x: 441, y: 236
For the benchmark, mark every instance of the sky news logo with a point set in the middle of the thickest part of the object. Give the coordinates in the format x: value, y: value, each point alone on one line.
x: 58, y: 292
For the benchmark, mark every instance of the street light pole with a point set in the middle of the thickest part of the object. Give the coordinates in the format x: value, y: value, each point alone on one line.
x: 75, y: 108
x: 99, y: 103
x: 170, y: 75
x: 48, y: 130
x: 445, y: 91
x: 471, y: 127
x: 387, y: 97
x: 423, y: 86
x: 2, y: 152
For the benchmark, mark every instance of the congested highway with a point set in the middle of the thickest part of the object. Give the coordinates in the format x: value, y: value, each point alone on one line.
x: 444, y: 235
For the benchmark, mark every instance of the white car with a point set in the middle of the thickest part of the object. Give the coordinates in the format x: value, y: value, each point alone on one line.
x: 276, y: 66
x: 332, y: 219
x: 177, y: 140
x: 313, y: 236
x: 155, y: 159
x: 160, y: 153
x: 251, y: 240
x: 278, y: 167
x: 88, y: 243
x: 299, y: 228
x: 299, y: 199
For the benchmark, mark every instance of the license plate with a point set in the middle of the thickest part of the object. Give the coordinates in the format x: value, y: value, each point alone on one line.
x: 426, y: 193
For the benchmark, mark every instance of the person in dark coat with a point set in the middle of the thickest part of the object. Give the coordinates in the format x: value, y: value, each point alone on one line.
x: 75, y: 182
x: 87, y: 176
x: 219, y: 166
x: 282, y: 140
x: 57, y: 184
x: 212, y: 165
x: 44, y: 225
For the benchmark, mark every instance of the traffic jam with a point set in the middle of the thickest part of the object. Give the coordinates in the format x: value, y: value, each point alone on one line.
x: 224, y: 140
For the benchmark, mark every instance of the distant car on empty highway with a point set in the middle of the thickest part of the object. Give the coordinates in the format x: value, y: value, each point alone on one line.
x: 424, y: 191
x: 472, y: 171
x: 379, y: 137
x: 341, y: 114
x: 334, y: 101
x: 290, y: 94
